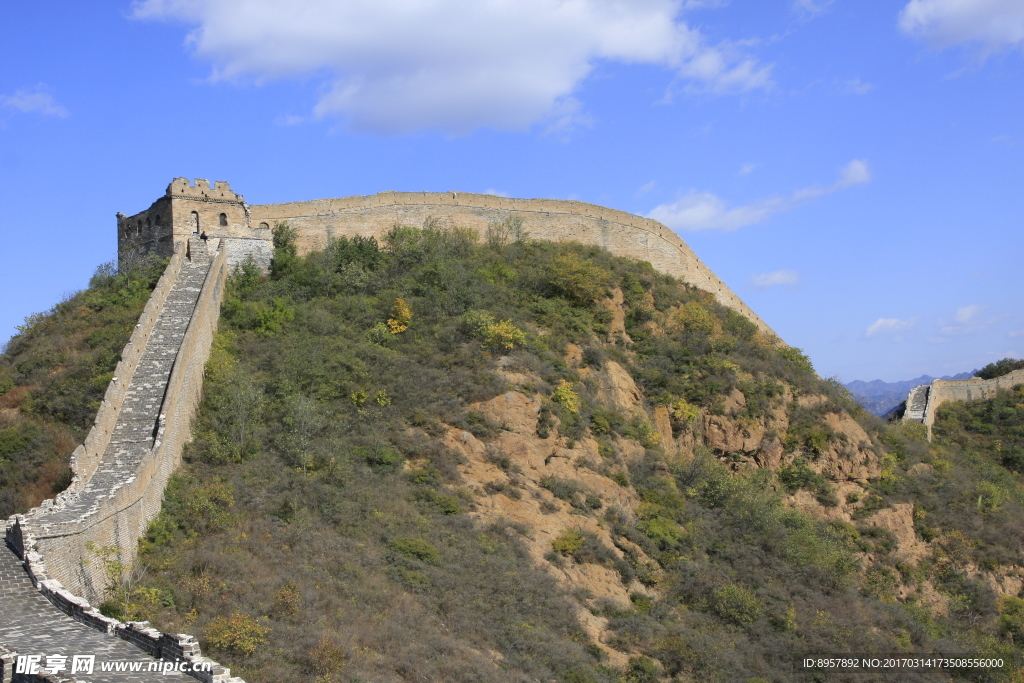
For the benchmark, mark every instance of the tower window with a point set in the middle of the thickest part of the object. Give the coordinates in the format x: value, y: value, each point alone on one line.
x: 223, y: 219
x: 195, y: 222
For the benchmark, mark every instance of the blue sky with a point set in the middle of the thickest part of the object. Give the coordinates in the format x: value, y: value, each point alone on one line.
x: 854, y: 171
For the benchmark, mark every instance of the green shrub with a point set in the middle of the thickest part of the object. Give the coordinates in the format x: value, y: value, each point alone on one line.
x: 999, y: 368
x: 417, y: 549
x: 736, y: 604
x: 568, y: 542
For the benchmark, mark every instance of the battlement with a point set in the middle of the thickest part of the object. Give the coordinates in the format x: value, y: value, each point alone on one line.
x: 202, y: 189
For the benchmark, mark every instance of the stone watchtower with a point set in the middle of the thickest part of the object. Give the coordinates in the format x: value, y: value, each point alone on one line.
x: 190, y: 209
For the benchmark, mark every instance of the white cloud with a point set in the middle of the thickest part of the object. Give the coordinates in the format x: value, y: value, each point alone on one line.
x: 496, y: 193
x: 396, y: 66
x: 994, y: 24
x: 889, y: 325
x: 34, y: 100
x: 705, y: 211
x: 747, y: 169
x: 1016, y: 333
x: 775, y: 278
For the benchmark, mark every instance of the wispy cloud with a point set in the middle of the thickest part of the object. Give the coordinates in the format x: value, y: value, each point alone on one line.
x: 967, y: 320
x: 1016, y: 333
x: 705, y: 211
x: 855, y: 86
x: 993, y: 24
x: 645, y: 189
x: 35, y: 100
x: 776, y: 278
x: 747, y: 168
x: 496, y: 193
x: 810, y: 7
x: 394, y: 66
x: 889, y: 326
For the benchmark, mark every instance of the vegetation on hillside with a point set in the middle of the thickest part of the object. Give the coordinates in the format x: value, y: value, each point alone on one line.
x: 325, y: 528
x: 53, y: 375
x: 1000, y: 368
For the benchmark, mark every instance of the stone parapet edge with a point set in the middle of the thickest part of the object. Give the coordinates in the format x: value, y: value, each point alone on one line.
x: 160, y: 645
x: 163, y: 646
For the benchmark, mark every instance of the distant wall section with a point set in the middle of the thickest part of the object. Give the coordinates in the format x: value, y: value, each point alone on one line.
x: 621, y: 233
x: 974, y: 389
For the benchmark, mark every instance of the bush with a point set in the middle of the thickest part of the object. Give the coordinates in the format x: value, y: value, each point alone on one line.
x: 240, y: 633
x: 737, y: 604
x: 569, y: 542
x: 417, y: 549
x: 566, y: 397
x: 1000, y: 368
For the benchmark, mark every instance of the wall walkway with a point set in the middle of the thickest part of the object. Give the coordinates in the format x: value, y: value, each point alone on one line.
x: 119, y: 473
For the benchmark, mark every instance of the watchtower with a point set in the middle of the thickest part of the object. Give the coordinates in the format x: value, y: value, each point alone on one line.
x: 184, y: 210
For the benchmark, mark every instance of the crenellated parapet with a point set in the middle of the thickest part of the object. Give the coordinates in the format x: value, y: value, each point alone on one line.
x: 185, y: 210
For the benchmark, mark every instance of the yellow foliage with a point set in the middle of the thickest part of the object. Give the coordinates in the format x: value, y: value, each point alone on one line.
x: 503, y: 336
x: 565, y: 396
x: 400, y: 318
x: 568, y: 542
x: 684, y: 413
x: 694, y: 317
x: 239, y: 633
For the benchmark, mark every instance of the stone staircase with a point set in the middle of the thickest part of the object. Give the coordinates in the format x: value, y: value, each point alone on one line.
x: 33, y: 610
x: 917, y: 403
x: 139, y: 420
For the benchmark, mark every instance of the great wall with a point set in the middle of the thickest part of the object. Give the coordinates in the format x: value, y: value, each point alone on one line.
x: 924, y: 400
x: 50, y: 575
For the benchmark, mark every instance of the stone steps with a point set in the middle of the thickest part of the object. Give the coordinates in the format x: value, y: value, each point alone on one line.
x: 917, y: 403
x: 135, y: 430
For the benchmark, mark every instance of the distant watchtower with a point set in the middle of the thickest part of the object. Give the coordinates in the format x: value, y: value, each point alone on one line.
x: 184, y: 210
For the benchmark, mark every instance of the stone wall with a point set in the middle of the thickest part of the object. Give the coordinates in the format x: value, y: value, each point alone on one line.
x: 973, y: 389
x: 55, y: 549
x: 87, y: 456
x: 246, y: 230
x: 624, y: 234
x: 120, y: 515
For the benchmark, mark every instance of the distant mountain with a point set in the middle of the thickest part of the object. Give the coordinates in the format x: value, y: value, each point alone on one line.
x: 880, y: 397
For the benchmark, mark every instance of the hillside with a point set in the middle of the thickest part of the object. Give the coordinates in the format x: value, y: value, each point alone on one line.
x: 53, y: 375
x: 514, y: 461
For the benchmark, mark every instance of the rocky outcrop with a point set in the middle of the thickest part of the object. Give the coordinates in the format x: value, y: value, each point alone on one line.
x: 514, y: 475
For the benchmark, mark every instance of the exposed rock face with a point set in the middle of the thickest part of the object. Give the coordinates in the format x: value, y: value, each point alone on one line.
x: 899, y: 520
x: 506, y: 476
x: 510, y: 474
